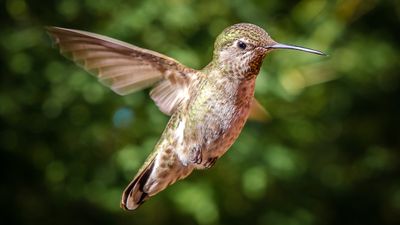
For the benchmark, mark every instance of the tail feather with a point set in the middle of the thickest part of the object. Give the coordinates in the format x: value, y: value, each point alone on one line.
x: 134, y: 194
x: 163, y: 169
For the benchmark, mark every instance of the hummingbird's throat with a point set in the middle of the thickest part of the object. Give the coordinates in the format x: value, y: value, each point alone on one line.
x: 241, y: 67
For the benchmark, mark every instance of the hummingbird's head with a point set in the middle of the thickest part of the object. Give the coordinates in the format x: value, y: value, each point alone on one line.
x: 241, y: 48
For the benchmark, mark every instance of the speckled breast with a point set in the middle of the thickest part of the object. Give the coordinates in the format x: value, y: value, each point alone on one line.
x: 226, y: 121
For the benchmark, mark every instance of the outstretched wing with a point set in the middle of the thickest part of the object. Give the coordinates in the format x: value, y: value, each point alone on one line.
x: 258, y: 112
x: 125, y: 68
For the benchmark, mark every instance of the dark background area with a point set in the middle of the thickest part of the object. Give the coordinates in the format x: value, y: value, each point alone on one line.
x: 329, y: 155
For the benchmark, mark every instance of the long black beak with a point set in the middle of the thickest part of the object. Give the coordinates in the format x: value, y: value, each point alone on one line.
x: 298, y: 48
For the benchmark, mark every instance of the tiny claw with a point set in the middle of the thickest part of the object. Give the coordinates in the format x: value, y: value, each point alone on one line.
x: 196, y: 155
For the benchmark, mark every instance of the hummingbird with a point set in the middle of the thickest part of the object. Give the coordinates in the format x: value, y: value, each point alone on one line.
x: 208, y: 108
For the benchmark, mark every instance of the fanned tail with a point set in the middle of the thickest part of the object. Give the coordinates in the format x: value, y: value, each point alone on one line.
x: 160, y: 170
x: 134, y: 194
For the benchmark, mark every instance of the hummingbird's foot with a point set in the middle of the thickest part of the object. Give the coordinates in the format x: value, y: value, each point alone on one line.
x: 195, y: 155
x: 210, y: 162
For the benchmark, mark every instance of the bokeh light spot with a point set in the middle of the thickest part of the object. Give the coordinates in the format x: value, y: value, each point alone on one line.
x: 197, y: 200
x: 93, y: 92
x: 293, y: 81
x: 55, y: 172
x: 52, y: 72
x: 17, y: 8
x: 21, y: 63
x: 254, y: 182
x: 123, y: 117
x: 128, y: 160
x: 281, y: 161
x: 69, y: 8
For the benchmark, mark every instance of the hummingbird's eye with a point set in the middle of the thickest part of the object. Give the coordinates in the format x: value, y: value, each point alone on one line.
x: 241, y: 45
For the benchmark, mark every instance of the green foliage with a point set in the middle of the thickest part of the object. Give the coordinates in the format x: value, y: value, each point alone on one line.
x: 330, y: 155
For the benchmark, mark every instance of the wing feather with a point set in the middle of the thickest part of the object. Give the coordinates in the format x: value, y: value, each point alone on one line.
x: 125, y: 68
x: 167, y: 98
x: 258, y: 112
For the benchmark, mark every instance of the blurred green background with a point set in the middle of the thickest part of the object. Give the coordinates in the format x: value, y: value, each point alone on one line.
x: 330, y: 155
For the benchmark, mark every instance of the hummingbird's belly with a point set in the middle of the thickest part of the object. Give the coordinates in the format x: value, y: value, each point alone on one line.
x: 218, y: 146
x: 215, y: 119
x: 222, y: 131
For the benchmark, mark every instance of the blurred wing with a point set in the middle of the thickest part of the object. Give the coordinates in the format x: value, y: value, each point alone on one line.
x: 258, y: 112
x: 167, y: 98
x: 123, y: 67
